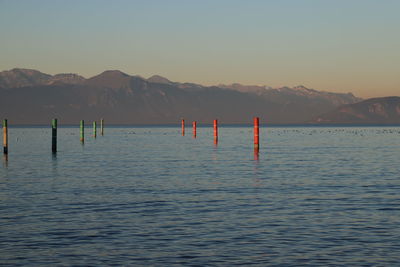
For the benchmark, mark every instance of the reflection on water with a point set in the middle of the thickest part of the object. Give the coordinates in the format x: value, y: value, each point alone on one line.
x: 152, y: 197
x: 54, y: 165
x: 256, y: 153
x: 5, y: 160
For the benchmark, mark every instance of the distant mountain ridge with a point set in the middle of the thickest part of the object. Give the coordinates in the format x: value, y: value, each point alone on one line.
x: 159, y: 79
x: 383, y: 110
x: 30, y: 96
x: 301, y: 91
x: 27, y: 77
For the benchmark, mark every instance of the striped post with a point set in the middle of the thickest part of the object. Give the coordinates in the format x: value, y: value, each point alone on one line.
x: 5, y: 137
x: 256, y: 133
x: 215, y: 131
x: 183, y: 127
x: 54, y: 135
x: 82, y: 131
x: 94, y: 129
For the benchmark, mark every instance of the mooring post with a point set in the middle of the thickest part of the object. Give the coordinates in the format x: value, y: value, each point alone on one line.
x: 256, y: 133
x: 5, y: 137
x: 94, y: 129
x: 54, y: 135
x: 102, y: 127
x: 82, y: 131
x: 215, y: 131
x: 183, y: 127
x: 194, y: 129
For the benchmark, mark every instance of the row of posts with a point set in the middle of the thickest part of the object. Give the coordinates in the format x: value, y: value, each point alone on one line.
x: 256, y: 122
x: 54, y: 133
x: 82, y: 133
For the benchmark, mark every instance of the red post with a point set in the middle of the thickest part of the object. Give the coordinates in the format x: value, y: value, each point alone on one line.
x: 194, y: 129
x: 215, y: 131
x: 183, y: 127
x: 256, y: 133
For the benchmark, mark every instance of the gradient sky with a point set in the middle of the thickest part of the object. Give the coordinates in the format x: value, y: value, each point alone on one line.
x: 340, y: 46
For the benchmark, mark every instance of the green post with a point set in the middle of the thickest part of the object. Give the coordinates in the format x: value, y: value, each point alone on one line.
x: 82, y: 131
x: 54, y: 135
x: 102, y: 127
x: 5, y: 137
x: 94, y: 129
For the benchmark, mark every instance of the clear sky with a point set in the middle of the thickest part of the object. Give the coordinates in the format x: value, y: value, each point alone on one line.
x: 340, y: 45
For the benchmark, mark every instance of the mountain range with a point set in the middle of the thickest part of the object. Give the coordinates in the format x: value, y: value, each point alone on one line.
x: 32, y: 97
x: 384, y: 110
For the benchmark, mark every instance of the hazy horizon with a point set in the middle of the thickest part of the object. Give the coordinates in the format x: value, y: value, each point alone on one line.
x: 341, y: 46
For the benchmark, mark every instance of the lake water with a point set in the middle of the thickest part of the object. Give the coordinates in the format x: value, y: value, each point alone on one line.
x: 151, y: 197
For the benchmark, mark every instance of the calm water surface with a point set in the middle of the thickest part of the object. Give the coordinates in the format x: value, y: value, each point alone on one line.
x: 151, y: 197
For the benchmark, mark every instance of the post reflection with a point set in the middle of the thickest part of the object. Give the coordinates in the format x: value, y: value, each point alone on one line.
x: 256, y: 153
x: 5, y: 160
x: 54, y: 163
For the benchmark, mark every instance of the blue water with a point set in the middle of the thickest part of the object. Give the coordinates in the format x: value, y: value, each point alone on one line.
x: 151, y: 197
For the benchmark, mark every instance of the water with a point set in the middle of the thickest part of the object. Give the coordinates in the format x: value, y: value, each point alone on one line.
x: 150, y: 197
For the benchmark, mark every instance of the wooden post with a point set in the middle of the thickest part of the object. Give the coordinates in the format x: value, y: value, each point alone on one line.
x: 183, y: 127
x: 82, y: 130
x: 215, y: 131
x: 102, y: 127
x: 256, y: 133
x: 94, y: 129
x: 194, y: 129
x: 54, y: 135
x: 5, y: 137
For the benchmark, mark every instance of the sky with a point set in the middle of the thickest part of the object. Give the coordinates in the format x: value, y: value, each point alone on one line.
x: 340, y: 46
